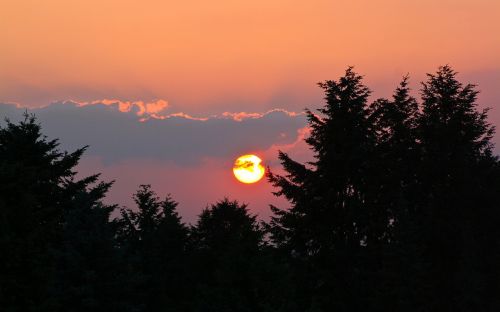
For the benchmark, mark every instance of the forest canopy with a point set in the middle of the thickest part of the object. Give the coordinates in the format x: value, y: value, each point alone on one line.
x: 397, y: 211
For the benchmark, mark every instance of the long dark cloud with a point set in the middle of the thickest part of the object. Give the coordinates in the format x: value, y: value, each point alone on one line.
x: 118, y: 130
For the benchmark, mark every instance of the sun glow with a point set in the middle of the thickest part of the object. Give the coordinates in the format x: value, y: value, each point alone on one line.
x: 248, y: 169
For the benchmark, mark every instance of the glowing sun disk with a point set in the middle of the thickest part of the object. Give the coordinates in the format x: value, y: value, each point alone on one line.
x: 248, y: 169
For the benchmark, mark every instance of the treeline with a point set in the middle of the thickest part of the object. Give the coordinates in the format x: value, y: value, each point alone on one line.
x: 398, y: 211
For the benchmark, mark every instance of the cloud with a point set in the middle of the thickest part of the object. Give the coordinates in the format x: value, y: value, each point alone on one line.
x: 244, y: 115
x: 140, y: 108
x: 119, y: 130
x: 143, y: 143
x: 298, y: 148
x: 157, y: 109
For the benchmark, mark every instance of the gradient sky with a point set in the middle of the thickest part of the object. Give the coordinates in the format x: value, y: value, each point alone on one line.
x: 211, y: 59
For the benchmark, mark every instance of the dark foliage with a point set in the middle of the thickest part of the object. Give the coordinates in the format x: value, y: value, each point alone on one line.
x: 398, y: 211
x: 153, y: 240
x: 56, y: 242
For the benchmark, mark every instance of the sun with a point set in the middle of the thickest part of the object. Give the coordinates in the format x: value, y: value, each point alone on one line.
x: 248, y: 169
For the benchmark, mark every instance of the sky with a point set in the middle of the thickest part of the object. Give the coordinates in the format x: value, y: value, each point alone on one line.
x: 169, y: 93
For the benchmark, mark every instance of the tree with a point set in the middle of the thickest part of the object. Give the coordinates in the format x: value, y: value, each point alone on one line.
x: 330, y: 228
x: 225, y: 247
x: 397, y: 150
x: 89, y: 272
x: 37, y: 185
x: 457, y: 164
x: 154, y: 241
x: 397, y: 193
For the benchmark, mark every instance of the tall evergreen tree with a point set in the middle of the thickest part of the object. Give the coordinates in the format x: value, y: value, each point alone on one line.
x: 397, y: 203
x: 37, y: 186
x: 330, y: 227
x: 397, y: 193
x: 397, y: 151
x: 457, y: 162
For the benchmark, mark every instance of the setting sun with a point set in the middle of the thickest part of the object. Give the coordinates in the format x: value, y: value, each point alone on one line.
x: 248, y: 169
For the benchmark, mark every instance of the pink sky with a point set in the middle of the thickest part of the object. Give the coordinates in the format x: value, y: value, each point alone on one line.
x: 204, y: 58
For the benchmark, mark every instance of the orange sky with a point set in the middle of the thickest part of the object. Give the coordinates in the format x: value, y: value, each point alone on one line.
x: 112, y: 63
x: 213, y: 56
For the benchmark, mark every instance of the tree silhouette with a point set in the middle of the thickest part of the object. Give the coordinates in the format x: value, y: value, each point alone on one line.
x: 456, y: 159
x: 397, y: 193
x: 89, y: 270
x: 226, y: 241
x: 39, y: 197
x: 154, y: 240
x: 397, y: 211
x: 329, y: 226
x: 398, y: 204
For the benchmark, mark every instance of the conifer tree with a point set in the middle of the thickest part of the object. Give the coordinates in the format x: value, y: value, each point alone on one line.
x: 330, y: 225
x: 457, y: 164
x: 397, y: 193
x: 153, y: 239
x: 89, y: 274
x: 37, y: 187
x: 226, y: 241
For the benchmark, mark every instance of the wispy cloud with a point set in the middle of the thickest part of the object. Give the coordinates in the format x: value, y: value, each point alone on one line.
x: 158, y: 109
x: 114, y: 130
x: 176, y: 152
x: 140, y: 108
